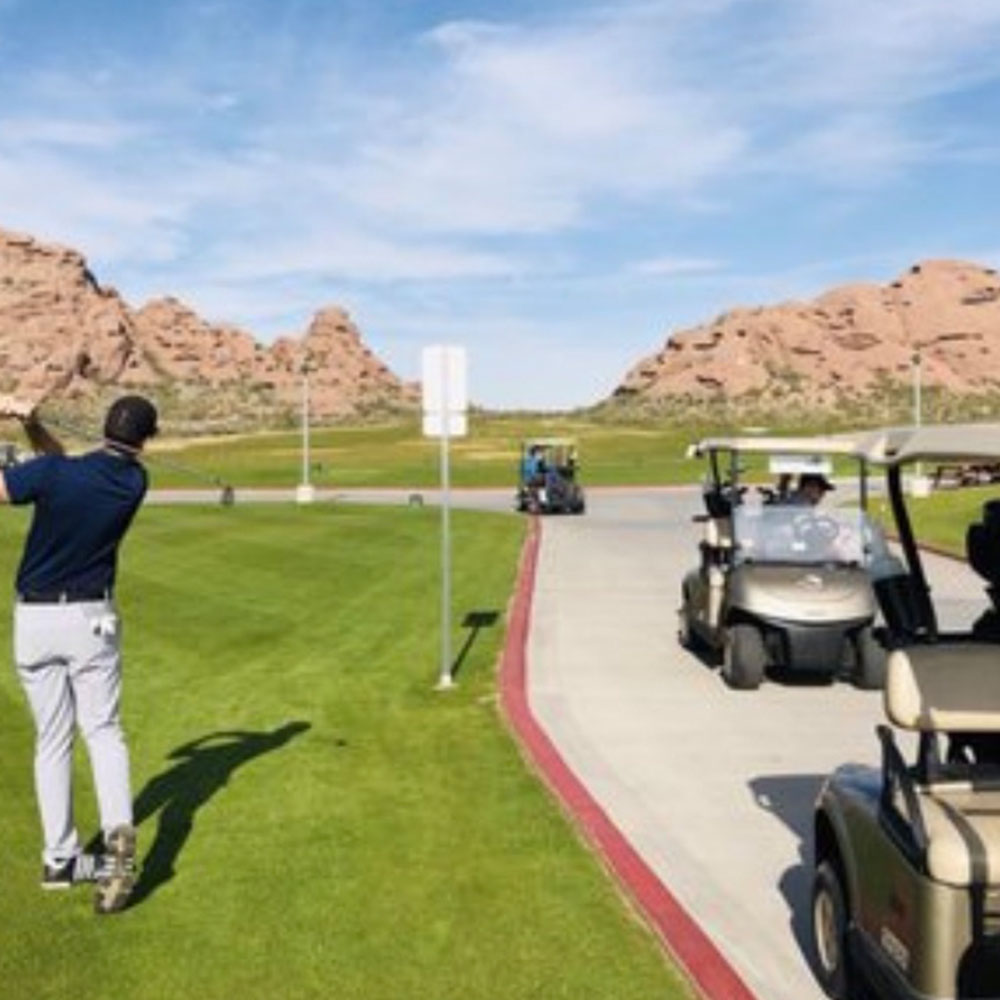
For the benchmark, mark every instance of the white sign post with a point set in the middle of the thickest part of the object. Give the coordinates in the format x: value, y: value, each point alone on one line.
x: 304, y: 492
x: 444, y: 405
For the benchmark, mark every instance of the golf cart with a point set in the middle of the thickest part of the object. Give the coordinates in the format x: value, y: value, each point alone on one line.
x: 783, y: 584
x: 547, y: 477
x: 906, y: 889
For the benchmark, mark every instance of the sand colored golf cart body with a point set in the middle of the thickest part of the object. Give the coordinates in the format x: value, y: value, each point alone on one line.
x: 906, y: 872
x: 781, y: 586
x: 553, y: 487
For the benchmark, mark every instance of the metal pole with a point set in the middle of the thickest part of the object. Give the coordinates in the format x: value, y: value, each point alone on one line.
x: 305, y: 493
x: 445, y: 680
x: 305, y: 426
x: 917, y: 405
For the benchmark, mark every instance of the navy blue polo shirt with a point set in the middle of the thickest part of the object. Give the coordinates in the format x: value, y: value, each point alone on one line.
x: 83, y: 507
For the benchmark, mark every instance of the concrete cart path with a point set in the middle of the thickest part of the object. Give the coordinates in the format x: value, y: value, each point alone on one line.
x: 712, y: 787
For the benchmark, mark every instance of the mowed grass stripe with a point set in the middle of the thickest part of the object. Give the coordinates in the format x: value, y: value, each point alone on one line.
x: 395, y: 455
x: 357, y: 834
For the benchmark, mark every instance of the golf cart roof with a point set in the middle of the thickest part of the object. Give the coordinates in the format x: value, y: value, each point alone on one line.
x: 882, y: 446
x: 832, y: 444
x: 931, y: 443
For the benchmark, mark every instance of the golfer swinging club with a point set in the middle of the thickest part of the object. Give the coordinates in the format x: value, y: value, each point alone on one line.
x: 66, y: 634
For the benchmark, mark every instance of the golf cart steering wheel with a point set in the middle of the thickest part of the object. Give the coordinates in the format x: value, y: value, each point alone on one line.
x: 815, y: 529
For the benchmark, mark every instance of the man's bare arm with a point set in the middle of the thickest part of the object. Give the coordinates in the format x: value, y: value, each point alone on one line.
x: 42, y: 441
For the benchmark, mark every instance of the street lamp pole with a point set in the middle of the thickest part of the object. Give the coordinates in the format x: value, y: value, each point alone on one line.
x: 305, y: 492
x: 920, y: 485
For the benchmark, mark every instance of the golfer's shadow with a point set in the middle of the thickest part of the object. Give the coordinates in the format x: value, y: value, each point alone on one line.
x: 203, y: 767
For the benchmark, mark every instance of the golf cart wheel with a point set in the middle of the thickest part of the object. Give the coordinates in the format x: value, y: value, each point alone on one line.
x: 744, y: 657
x: 829, y: 932
x: 870, y: 660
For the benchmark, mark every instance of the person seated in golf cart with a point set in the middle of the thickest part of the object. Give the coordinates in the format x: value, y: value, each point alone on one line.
x: 532, y: 474
x: 811, y: 489
x: 808, y: 492
x: 532, y: 466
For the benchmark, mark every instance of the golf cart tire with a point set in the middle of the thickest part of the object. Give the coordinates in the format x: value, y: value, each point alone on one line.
x: 829, y: 932
x: 870, y: 661
x: 744, y: 657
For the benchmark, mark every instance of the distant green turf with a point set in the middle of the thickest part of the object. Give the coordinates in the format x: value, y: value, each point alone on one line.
x: 611, y: 453
x: 398, y: 455
x: 941, y: 518
x: 316, y: 820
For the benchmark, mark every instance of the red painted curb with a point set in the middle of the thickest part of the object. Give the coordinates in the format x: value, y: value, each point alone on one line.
x: 709, y: 971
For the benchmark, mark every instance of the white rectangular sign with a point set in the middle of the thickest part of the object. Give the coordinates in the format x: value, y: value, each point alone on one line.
x: 444, y: 391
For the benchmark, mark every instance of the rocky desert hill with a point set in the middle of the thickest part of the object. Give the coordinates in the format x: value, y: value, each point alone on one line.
x: 68, y: 340
x: 852, y: 347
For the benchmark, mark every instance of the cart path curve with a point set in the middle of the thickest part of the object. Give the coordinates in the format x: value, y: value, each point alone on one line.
x: 698, y: 798
x: 681, y: 935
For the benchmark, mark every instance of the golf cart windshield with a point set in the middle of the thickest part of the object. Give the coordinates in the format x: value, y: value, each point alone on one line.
x: 774, y: 533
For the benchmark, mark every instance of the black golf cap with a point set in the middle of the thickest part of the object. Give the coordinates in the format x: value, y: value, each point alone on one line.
x: 130, y: 421
x: 815, y: 479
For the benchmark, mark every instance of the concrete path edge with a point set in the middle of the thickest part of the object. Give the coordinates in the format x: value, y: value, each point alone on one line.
x: 707, y: 969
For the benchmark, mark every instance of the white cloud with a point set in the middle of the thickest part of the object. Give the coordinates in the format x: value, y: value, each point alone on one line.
x: 57, y: 200
x: 853, y: 147
x: 521, y: 132
x: 355, y: 255
x: 671, y: 266
x: 68, y: 132
x: 856, y: 53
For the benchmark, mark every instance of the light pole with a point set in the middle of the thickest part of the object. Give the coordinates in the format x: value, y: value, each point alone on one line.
x: 305, y: 493
x: 921, y: 486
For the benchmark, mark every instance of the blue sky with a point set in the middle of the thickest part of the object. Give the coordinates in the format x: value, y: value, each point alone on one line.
x: 556, y: 185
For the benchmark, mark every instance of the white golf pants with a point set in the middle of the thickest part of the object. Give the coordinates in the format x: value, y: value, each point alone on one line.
x: 69, y: 664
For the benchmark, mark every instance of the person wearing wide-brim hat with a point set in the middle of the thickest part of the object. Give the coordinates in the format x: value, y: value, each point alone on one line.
x: 811, y: 488
x: 66, y: 633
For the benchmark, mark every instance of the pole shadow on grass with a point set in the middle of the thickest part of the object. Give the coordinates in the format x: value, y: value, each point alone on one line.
x: 203, y: 767
x: 475, y: 622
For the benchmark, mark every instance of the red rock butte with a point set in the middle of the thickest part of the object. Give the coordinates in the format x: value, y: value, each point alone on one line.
x: 68, y: 339
x: 65, y: 337
x: 849, y: 342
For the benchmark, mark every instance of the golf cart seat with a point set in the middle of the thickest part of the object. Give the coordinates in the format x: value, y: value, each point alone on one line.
x: 953, y: 806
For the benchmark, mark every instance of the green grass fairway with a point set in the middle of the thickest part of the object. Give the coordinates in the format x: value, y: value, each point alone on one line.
x: 316, y: 820
x: 941, y: 518
x: 397, y: 455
